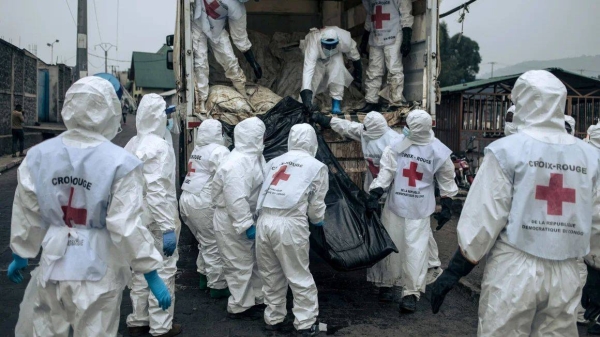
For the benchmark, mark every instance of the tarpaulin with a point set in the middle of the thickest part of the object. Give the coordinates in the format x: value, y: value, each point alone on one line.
x: 351, y: 239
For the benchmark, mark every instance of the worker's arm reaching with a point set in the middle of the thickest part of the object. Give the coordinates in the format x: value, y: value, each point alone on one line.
x: 27, y: 231
x: 124, y: 222
x: 316, y: 199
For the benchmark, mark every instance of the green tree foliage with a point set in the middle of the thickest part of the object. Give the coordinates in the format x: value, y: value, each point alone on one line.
x: 460, y: 58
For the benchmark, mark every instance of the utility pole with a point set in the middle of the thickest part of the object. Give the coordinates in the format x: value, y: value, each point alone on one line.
x: 492, y: 63
x: 81, y: 68
x: 106, y: 47
x: 581, y: 71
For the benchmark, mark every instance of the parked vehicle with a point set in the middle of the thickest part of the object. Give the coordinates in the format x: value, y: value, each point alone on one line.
x: 464, y: 173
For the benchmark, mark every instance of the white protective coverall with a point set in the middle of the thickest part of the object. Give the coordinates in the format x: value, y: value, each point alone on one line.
x: 322, y: 72
x: 531, y: 284
x: 409, y: 166
x: 290, y: 198
x: 160, y: 211
x: 87, y: 301
x: 583, y: 272
x: 385, y: 20
x: 375, y: 139
x: 510, y: 127
x: 196, y: 204
x: 208, y: 27
x: 235, y: 190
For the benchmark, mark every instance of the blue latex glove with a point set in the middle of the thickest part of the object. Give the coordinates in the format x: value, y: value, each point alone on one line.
x: 169, y: 243
x: 251, y: 232
x: 15, y: 267
x: 319, y: 224
x: 158, y: 289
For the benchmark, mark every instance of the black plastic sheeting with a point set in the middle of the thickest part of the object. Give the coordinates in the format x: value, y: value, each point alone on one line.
x: 351, y: 239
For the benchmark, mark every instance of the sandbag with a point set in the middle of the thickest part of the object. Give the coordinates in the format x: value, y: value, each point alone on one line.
x: 351, y: 239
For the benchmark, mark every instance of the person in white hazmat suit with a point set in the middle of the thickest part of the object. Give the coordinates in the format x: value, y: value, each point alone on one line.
x: 570, y: 128
x: 197, y: 206
x: 324, y: 66
x: 375, y: 135
x: 593, y: 138
x: 235, y: 190
x: 509, y: 126
x: 388, y: 32
x: 160, y: 215
x: 409, y: 166
x: 292, y: 195
x: 538, y: 206
x: 88, y: 224
x: 208, y: 28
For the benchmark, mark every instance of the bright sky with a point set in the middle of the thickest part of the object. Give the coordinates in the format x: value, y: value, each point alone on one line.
x: 508, y: 31
x: 143, y: 25
x: 513, y: 31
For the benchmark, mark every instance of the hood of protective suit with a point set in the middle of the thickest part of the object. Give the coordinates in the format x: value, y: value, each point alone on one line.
x: 375, y: 125
x: 510, y: 127
x: 151, y: 117
x: 91, y: 106
x: 594, y: 135
x: 571, y: 121
x: 304, y: 138
x: 540, y: 102
x: 248, y: 136
x: 420, y: 124
x: 210, y: 132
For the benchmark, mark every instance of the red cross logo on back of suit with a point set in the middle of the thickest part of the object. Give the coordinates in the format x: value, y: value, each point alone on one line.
x: 379, y: 16
x: 280, y: 175
x: 555, y: 194
x: 412, y: 174
x: 211, y: 9
x: 73, y: 216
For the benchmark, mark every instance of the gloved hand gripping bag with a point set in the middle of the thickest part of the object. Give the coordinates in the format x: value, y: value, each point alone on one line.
x: 352, y: 238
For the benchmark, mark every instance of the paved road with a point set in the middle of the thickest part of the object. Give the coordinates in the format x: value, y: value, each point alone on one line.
x: 345, y: 298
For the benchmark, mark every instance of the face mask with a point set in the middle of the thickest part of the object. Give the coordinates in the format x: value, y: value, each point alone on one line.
x: 406, y: 132
x: 509, y: 128
x: 330, y: 52
x: 170, y: 124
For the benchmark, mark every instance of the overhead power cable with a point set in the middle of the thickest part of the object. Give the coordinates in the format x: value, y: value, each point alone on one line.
x: 72, y: 17
x: 97, y: 23
x: 456, y: 9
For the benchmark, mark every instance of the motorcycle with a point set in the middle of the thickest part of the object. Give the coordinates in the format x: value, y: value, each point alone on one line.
x: 464, y: 174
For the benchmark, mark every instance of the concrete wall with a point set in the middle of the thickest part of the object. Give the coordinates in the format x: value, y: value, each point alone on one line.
x: 18, y: 85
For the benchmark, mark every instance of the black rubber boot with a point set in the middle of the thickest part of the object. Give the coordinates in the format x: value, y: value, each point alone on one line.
x: 369, y: 107
x: 313, y: 331
x: 386, y: 294
x: 409, y: 304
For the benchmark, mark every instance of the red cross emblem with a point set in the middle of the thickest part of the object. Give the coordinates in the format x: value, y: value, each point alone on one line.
x: 73, y: 216
x: 280, y: 175
x: 555, y: 194
x: 374, y: 169
x: 211, y: 9
x: 412, y: 174
x: 190, y: 169
x: 379, y: 16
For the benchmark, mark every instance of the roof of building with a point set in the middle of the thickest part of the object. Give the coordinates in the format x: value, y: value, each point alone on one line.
x: 149, y: 70
x: 576, y: 84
